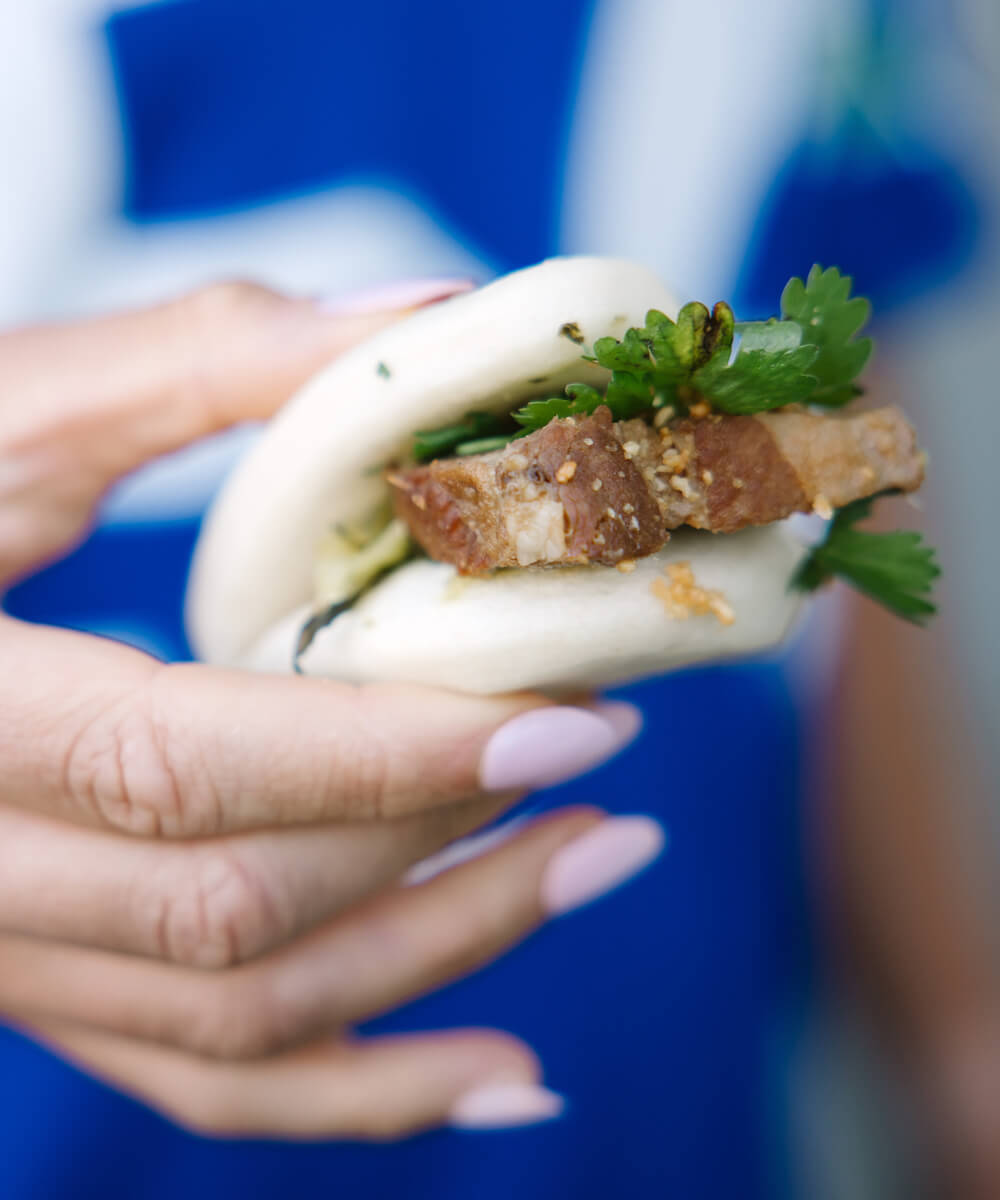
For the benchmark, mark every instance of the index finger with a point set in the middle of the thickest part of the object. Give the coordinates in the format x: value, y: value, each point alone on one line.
x: 97, y: 733
x: 83, y: 403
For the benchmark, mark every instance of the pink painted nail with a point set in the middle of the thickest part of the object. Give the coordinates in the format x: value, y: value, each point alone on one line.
x: 396, y: 296
x: 503, y: 1105
x: 598, y: 861
x: 623, y: 717
x: 547, y: 746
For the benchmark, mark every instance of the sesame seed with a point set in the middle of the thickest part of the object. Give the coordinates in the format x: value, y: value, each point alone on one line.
x: 629, y: 508
x: 588, y: 441
x: 707, y: 477
x: 626, y: 566
x: 597, y: 485
x: 631, y: 449
x: 566, y: 471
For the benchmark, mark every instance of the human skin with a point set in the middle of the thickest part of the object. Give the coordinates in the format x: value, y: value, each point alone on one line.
x: 203, y: 872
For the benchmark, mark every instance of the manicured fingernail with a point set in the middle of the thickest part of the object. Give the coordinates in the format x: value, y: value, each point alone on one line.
x: 623, y: 717
x: 394, y: 297
x: 504, y: 1105
x: 598, y: 861
x: 547, y: 746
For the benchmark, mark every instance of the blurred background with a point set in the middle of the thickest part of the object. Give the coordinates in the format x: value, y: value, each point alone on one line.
x: 802, y: 1001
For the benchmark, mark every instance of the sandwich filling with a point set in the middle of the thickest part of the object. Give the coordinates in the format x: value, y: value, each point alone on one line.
x: 587, y: 489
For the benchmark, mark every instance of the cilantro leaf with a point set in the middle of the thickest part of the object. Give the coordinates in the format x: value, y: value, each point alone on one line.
x: 757, y: 380
x: 897, y: 570
x: 629, y: 354
x: 769, y: 335
x: 436, y: 443
x: 829, y: 319
x: 580, y: 400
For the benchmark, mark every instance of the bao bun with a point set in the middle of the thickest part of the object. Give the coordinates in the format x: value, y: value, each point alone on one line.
x: 317, y: 468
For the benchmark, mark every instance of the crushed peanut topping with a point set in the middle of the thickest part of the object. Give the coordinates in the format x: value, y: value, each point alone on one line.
x: 629, y: 508
x: 707, y: 478
x: 599, y: 539
x: 566, y: 471
x: 823, y: 508
x: 418, y: 501
x: 626, y: 566
x: 631, y: 449
x: 681, y: 483
x: 682, y: 597
x: 597, y: 485
x: 663, y: 415
x: 675, y: 460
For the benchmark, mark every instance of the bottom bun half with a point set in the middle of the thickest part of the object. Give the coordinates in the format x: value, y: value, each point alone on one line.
x: 556, y: 630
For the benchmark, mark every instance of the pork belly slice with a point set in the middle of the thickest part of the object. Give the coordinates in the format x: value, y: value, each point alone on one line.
x: 590, y: 490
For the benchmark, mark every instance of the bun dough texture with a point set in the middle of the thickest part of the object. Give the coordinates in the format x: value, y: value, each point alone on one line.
x: 318, y: 468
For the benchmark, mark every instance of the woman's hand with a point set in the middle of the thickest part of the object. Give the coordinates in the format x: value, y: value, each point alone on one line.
x: 203, y: 874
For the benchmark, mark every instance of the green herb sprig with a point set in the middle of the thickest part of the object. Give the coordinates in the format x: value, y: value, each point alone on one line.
x: 811, y: 355
x: 897, y: 570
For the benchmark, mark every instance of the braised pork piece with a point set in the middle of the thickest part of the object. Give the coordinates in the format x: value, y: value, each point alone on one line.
x: 587, y: 489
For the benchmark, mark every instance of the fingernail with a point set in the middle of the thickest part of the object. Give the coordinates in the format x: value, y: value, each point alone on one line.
x: 394, y: 297
x: 547, y: 746
x: 623, y: 717
x: 598, y: 861
x: 503, y: 1105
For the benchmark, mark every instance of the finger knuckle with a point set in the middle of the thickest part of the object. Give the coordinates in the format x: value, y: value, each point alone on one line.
x: 127, y: 767
x: 224, y: 298
x: 224, y: 1019
x: 115, y: 769
x: 366, y: 783
x: 221, y: 912
x: 213, y: 1109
